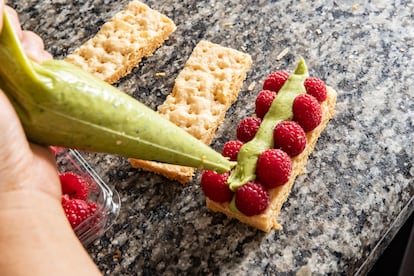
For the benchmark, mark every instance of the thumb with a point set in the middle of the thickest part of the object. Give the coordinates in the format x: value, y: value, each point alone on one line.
x: 20, y: 160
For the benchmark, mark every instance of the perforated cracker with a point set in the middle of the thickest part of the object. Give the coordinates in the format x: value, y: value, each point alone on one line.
x: 268, y: 220
x: 203, y: 92
x: 122, y: 42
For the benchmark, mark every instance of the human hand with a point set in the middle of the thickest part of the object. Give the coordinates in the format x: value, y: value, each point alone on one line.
x: 24, y: 167
x: 35, y: 236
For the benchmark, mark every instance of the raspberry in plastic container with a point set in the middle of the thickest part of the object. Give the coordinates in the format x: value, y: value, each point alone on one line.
x: 89, y: 203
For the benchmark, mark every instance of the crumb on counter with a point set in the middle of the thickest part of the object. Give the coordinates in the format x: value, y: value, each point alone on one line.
x: 160, y: 74
x: 282, y: 54
x: 251, y: 86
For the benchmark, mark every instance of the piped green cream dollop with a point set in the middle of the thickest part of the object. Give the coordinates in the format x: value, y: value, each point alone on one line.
x: 280, y: 110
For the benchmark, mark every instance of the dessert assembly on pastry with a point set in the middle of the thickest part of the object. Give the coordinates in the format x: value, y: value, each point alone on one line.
x: 271, y: 149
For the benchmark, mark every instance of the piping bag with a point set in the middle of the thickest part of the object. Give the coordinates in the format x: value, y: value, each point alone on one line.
x: 59, y: 104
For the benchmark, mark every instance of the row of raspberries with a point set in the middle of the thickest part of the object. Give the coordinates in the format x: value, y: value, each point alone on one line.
x: 274, y: 166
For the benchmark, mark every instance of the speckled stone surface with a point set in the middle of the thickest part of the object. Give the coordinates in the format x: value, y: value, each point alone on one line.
x: 359, y: 187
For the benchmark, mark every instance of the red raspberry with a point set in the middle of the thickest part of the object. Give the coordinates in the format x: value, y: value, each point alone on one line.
x: 74, y: 185
x: 231, y: 149
x: 214, y: 186
x: 76, y: 210
x: 93, y: 206
x: 289, y: 137
x: 96, y: 215
x: 252, y: 199
x: 275, y: 80
x: 307, y: 111
x: 273, y: 168
x: 316, y: 88
x: 247, y: 128
x: 263, y: 102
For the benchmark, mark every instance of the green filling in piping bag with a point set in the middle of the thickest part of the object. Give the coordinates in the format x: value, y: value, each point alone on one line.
x: 61, y: 105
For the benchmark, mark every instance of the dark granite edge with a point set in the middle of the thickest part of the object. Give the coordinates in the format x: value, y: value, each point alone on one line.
x: 382, y: 244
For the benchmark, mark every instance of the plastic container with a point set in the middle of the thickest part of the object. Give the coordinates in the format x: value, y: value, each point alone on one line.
x: 107, y: 199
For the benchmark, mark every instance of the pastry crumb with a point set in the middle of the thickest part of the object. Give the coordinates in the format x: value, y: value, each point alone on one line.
x: 251, y: 86
x: 160, y: 74
x: 282, y: 54
x: 117, y: 255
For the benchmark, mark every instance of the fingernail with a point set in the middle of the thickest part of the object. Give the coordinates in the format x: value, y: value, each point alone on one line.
x: 1, y: 13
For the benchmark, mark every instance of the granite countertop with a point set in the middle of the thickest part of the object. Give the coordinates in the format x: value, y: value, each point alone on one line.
x: 358, y: 189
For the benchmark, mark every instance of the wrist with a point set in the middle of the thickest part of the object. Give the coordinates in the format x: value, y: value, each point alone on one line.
x: 27, y: 210
x: 29, y: 200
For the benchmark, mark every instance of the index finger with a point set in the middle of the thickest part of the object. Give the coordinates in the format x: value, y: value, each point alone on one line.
x: 14, y: 20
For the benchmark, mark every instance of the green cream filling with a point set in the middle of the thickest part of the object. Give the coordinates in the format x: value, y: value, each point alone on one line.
x: 280, y: 110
